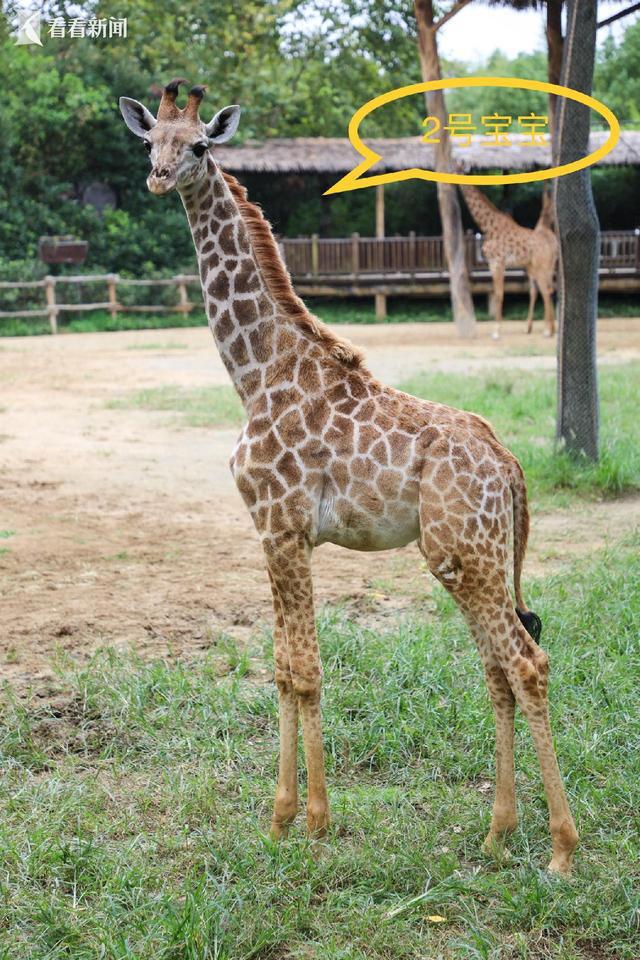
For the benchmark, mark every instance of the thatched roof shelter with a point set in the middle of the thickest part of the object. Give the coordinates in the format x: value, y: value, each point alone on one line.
x: 335, y: 155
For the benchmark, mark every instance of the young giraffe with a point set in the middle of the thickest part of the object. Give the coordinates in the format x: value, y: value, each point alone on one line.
x: 507, y: 244
x: 329, y: 454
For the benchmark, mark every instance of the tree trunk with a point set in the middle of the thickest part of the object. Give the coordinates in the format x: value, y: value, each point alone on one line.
x: 578, y: 229
x: 461, y: 300
x: 555, y: 44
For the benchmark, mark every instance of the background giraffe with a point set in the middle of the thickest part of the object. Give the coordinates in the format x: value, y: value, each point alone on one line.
x: 507, y: 244
x: 329, y: 454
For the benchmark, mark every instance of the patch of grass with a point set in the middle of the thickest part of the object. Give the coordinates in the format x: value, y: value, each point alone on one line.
x: 170, y: 345
x: 400, y: 310
x: 415, y: 310
x: 522, y: 406
x: 132, y: 816
x: 5, y: 534
x: 199, y: 407
x: 100, y: 321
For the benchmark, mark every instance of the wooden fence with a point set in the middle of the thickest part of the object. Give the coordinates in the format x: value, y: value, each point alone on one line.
x: 356, y: 255
x: 309, y: 257
x: 113, y: 281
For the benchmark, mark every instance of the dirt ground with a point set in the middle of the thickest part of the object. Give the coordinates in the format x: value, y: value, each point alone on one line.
x: 127, y: 529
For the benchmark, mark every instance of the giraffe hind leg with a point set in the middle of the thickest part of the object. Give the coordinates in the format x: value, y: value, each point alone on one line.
x: 533, y: 296
x: 473, y: 567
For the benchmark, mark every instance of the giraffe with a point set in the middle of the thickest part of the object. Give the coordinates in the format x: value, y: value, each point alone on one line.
x: 329, y: 454
x: 507, y: 244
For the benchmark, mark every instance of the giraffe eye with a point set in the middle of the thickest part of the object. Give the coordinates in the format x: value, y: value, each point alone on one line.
x: 147, y: 145
x: 199, y: 149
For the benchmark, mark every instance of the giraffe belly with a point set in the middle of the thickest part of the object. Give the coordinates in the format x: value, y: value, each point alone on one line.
x: 346, y: 525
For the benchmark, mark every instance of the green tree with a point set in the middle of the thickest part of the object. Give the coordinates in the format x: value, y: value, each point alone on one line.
x: 617, y: 76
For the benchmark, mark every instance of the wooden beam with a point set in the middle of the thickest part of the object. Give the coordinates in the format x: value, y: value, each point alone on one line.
x: 380, y: 299
x: 380, y: 211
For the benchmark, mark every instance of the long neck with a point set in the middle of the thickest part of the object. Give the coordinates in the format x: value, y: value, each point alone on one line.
x: 485, y: 214
x: 241, y: 310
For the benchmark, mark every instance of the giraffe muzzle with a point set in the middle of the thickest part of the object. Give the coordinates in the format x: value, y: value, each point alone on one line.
x: 161, y: 181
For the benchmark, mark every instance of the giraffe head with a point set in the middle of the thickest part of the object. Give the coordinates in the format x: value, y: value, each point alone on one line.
x: 178, y: 141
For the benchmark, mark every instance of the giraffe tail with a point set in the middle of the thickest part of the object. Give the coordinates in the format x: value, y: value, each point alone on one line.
x: 529, y: 620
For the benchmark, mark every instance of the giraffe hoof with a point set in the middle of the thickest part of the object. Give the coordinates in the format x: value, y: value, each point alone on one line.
x: 559, y: 868
x: 318, y: 823
x: 547, y: 333
x: 495, y: 336
x: 279, y: 830
x: 494, y: 847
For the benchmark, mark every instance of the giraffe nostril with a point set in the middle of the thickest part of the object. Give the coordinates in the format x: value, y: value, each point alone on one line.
x: 161, y: 173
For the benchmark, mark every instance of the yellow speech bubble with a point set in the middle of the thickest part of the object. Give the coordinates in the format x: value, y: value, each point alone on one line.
x: 355, y: 180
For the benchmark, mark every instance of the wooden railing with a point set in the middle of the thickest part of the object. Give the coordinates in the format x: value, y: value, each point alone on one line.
x: 307, y: 258
x: 112, y: 281
x: 620, y: 249
x: 313, y: 256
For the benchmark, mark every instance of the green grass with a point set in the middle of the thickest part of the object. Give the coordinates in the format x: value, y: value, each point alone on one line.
x: 169, y: 345
x: 405, y: 310
x: 99, y: 321
x: 199, y: 407
x: 521, y: 406
x: 400, y: 310
x: 132, y: 815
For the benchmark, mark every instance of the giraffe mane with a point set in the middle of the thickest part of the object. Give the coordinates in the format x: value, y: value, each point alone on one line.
x: 279, y: 283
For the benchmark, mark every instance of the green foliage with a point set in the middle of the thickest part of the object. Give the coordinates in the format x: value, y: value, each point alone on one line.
x: 617, y: 76
x: 485, y: 101
x: 132, y: 815
x: 298, y: 67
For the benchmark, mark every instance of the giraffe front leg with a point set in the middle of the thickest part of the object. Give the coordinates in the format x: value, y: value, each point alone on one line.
x: 497, y: 276
x: 549, y: 311
x: 288, y: 559
x: 285, y: 806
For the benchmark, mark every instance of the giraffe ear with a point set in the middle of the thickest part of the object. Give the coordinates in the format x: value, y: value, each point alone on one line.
x: 224, y: 124
x: 136, y: 116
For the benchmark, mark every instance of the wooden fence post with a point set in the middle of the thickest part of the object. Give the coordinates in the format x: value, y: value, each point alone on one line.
x: 381, y: 306
x: 412, y: 251
x: 315, y: 254
x: 112, y: 280
x: 52, y: 310
x: 184, y: 305
x: 355, y: 253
